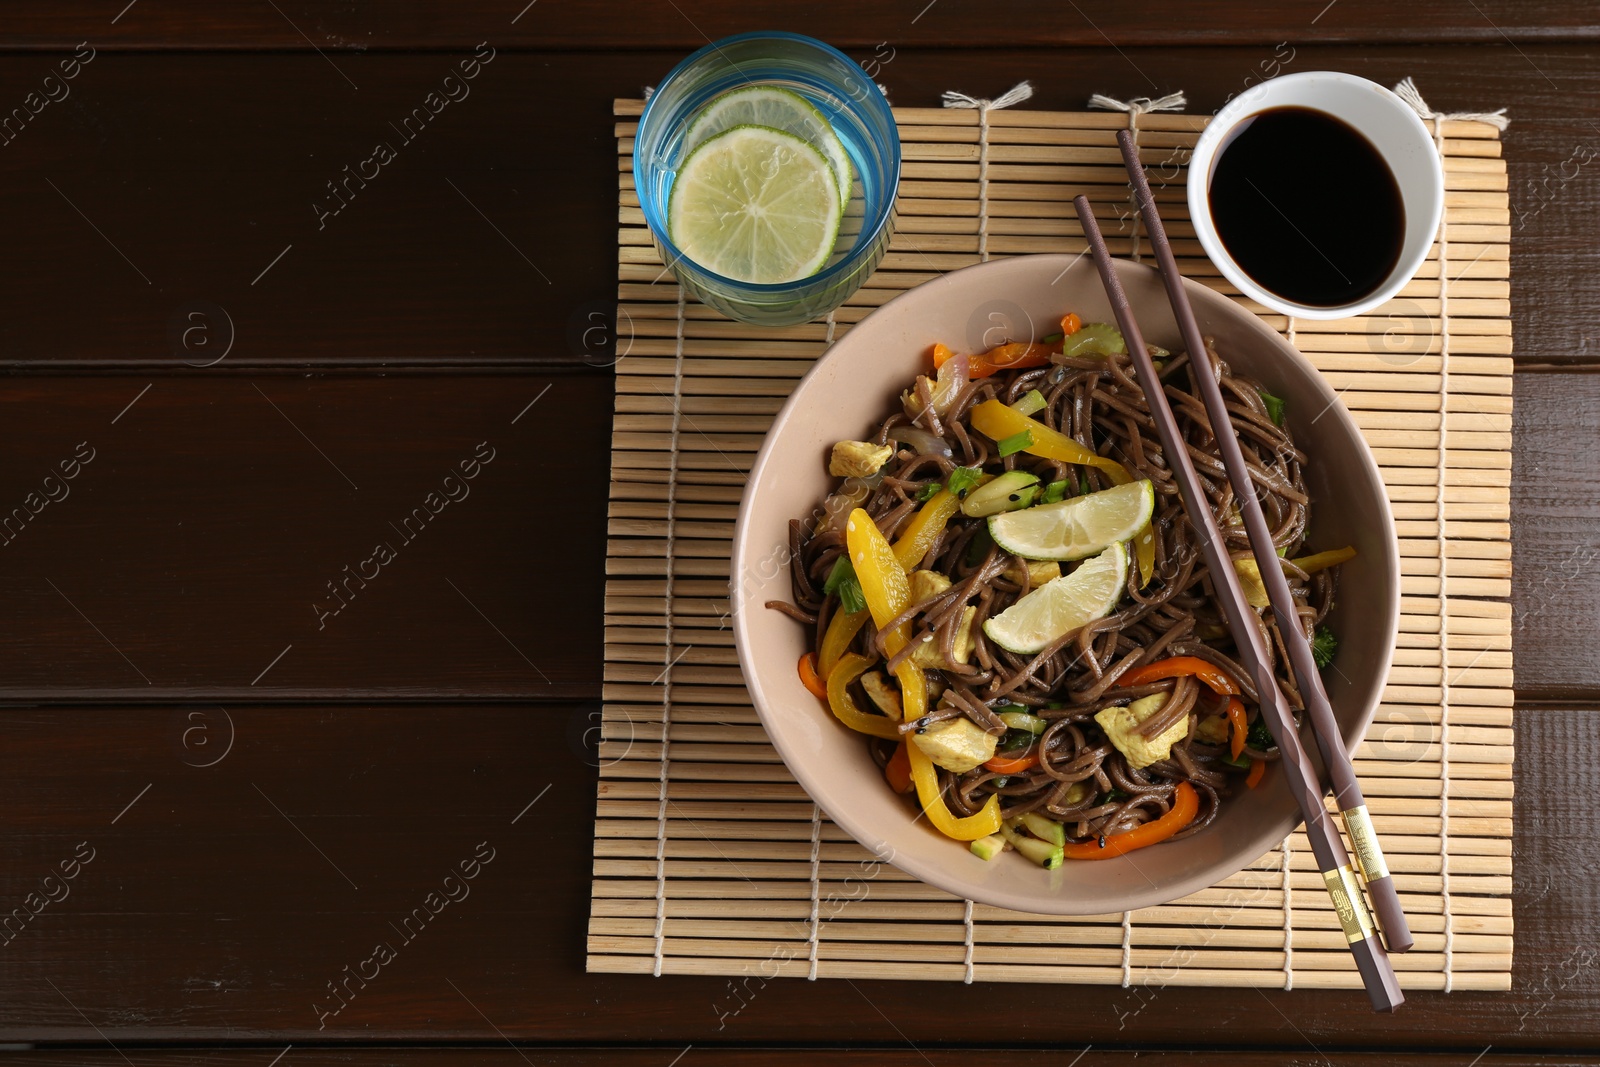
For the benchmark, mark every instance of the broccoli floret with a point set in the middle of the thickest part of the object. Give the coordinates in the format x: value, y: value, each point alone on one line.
x: 1323, y: 646
x: 1016, y: 740
x: 979, y: 546
x: 1259, y: 737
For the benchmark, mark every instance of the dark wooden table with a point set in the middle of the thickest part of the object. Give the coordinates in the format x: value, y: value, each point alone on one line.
x: 248, y: 388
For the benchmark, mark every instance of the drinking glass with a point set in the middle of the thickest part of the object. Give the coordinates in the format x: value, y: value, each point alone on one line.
x: 860, y: 116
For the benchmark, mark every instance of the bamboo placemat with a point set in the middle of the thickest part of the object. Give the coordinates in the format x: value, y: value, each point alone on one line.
x: 709, y: 859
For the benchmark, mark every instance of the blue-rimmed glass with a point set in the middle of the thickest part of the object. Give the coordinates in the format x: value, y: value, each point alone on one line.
x: 860, y: 116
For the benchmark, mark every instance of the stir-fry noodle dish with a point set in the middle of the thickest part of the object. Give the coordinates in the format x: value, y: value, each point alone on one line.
x: 1003, y: 596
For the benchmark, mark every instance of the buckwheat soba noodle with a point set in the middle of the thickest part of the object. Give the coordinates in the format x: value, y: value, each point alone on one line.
x: 1004, y: 595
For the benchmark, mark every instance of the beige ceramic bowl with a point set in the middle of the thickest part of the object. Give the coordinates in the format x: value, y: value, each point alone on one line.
x: 849, y: 392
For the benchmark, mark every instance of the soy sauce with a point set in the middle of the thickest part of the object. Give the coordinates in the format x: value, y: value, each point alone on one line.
x: 1307, y: 207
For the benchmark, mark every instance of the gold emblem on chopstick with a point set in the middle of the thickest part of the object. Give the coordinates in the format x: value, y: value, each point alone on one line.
x: 1350, y: 903
x: 1364, y: 842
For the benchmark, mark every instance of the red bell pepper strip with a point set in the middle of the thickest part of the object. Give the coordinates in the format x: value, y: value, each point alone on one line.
x: 1185, y: 806
x: 1240, y: 725
x: 1012, y: 356
x: 1258, y: 770
x: 1014, y: 764
x: 1217, y: 679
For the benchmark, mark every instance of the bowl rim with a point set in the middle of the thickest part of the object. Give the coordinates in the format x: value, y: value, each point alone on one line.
x: 1259, y: 98
x: 861, y: 830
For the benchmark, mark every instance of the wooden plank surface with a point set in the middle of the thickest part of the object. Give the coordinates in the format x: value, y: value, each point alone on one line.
x: 169, y: 184
x: 903, y: 1056
x: 1555, y: 524
x: 206, y: 516
x: 687, y: 24
x: 214, y: 909
x: 222, y: 902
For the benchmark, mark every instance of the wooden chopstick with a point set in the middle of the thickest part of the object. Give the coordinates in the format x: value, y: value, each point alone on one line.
x: 1346, y: 790
x: 1377, y: 974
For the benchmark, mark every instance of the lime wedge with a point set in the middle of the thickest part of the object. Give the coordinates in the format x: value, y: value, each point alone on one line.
x: 1077, y: 527
x: 755, y: 204
x: 1063, y: 604
x: 780, y: 109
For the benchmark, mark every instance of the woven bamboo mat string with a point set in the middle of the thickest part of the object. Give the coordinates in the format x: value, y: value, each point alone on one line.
x: 966, y: 921
x: 1444, y: 601
x: 1139, y: 105
x: 666, y: 652
x: 816, y: 892
x: 1127, y: 949
x: 1288, y: 908
x: 1014, y: 95
x: 1407, y: 91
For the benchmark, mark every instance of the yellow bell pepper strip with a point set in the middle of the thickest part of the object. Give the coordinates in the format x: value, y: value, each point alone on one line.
x: 887, y: 591
x: 999, y: 421
x: 970, y: 828
x: 849, y: 669
x: 1321, y: 561
x: 913, y: 691
x: 1144, y: 551
x: 1185, y: 806
x: 1240, y: 726
x: 808, y: 676
x: 883, y: 580
x: 924, y: 528
x: 1217, y: 679
x: 842, y: 629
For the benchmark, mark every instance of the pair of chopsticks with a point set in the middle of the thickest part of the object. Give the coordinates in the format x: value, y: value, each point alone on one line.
x: 1333, y: 860
x: 1347, y: 792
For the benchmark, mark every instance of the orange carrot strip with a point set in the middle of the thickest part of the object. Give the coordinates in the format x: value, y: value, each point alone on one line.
x: 809, y: 678
x: 898, y: 770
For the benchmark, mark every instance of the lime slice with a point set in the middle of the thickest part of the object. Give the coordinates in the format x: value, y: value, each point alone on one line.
x: 1062, y: 605
x: 755, y: 204
x: 1077, y: 527
x: 780, y: 109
